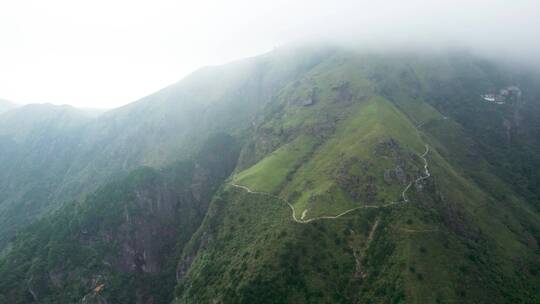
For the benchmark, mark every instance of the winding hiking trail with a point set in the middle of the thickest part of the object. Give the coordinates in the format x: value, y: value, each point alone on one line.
x: 404, y: 198
x: 270, y: 195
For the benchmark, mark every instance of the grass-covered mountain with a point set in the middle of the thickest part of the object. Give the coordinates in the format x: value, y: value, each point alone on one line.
x: 341, y: 176
x: 350, y: 135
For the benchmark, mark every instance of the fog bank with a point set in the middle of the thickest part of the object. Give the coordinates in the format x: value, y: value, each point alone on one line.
x: 108, y: 53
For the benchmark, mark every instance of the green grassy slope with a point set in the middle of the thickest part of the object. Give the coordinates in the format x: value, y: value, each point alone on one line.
x: 341, y: 106
x: 354, y: 140
x: 271, y: 172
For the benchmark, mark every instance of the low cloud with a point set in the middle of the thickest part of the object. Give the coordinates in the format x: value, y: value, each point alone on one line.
x: 107, y: 53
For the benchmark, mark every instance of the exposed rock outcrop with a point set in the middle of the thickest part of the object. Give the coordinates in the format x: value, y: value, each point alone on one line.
x: 343, y: 92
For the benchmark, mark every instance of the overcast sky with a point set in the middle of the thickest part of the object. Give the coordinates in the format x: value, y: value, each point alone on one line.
x: 106, y: 53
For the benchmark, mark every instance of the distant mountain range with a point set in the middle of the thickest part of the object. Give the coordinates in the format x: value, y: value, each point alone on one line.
x: 305, y: 175
x: 6, y: 105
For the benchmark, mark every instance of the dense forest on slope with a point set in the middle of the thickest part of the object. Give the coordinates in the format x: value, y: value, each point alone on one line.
x: 124, y: 237
x: 328, y: 175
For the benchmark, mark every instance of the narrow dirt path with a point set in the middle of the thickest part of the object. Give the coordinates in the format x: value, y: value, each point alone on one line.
x: 273, y: 196
x: 426, y: 175
x: 372, y: 232
x: 304, y: 214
